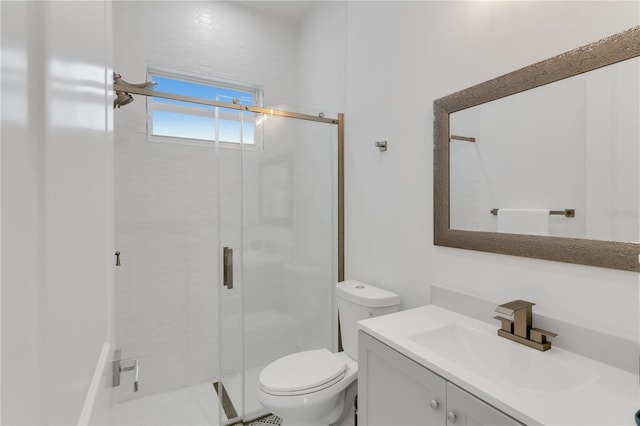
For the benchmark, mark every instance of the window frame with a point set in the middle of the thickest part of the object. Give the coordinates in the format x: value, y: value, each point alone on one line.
x: 152, y: 106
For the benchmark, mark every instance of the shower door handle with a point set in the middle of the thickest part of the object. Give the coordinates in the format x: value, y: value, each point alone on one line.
x: 227, y: 267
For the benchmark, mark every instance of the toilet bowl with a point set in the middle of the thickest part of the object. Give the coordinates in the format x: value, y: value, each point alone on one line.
x: 318, y: 387
x: 303, y: 399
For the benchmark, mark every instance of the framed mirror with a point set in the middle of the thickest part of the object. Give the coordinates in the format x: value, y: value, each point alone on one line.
x: 543, y: 162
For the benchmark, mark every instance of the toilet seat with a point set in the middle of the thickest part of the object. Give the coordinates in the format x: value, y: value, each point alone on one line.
x: 302, y: 372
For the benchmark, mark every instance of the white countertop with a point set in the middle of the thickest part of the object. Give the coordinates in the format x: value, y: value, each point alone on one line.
x: 591, y: 393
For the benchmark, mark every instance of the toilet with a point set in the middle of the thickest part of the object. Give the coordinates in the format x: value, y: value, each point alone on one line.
x: 318, y: 387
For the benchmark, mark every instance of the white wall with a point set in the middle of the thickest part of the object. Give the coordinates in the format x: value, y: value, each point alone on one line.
x: 56, y: 207
x: 23, y: 344
x: 322, y: 56
x: 402, y: 56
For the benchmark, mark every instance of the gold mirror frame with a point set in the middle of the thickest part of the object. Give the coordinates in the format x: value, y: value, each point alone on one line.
x: 605, y: 254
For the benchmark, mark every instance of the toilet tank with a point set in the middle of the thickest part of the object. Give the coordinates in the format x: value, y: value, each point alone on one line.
x: 357, y: 301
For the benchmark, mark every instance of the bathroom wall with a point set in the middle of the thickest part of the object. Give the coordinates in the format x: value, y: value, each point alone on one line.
x: 322, y: 56
x: 402, y: 56
x: 166, y: 194
x: 57, y: 248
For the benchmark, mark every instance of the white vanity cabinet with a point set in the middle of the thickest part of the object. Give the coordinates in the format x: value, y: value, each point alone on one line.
x: 394, y: 390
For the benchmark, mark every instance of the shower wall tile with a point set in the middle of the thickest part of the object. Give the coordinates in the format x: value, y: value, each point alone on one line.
x: 166, y: 195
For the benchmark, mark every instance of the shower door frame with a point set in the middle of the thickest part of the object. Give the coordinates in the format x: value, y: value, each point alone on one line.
x: 338, y: 122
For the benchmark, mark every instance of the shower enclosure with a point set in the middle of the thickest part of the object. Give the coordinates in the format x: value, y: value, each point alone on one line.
x: 228, y: 256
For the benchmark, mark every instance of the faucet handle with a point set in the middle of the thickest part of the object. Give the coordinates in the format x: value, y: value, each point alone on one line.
x: 507, y: 324
x: 539, y: 335
x: 513, y: 307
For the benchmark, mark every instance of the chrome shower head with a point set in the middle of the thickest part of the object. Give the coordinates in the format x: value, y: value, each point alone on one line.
x: 123, y: 97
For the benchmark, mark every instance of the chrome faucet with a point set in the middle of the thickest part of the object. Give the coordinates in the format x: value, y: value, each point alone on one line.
x: 520, y: 329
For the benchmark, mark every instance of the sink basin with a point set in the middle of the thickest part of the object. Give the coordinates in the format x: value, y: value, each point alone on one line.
x: 501, y: 359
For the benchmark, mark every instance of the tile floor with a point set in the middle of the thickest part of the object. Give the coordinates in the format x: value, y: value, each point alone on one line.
x: 192, y: 406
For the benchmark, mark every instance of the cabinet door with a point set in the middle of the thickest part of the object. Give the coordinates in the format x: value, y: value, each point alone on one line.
x: 394, y: 390
x: 465, y: 409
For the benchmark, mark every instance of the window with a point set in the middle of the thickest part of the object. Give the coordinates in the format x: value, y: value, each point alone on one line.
x: 186, y: 121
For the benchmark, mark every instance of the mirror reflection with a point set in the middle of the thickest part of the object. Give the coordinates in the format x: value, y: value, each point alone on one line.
x: 525, y: 163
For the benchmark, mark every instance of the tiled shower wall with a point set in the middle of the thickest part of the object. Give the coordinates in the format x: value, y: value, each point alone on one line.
x: 166, y: 194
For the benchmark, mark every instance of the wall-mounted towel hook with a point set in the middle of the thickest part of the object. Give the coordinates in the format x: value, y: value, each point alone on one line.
x: 382, y: 145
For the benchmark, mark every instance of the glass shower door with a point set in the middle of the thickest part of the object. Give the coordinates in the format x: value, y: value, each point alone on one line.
x: 277, y: 192
x: 235, y: 130
x: 264, y: 197
x: 289, y: 244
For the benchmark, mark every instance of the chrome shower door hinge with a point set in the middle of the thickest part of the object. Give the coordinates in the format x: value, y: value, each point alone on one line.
x: 127, y: 364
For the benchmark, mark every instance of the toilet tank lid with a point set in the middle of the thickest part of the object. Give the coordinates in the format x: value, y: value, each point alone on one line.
x: 366, y: 294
